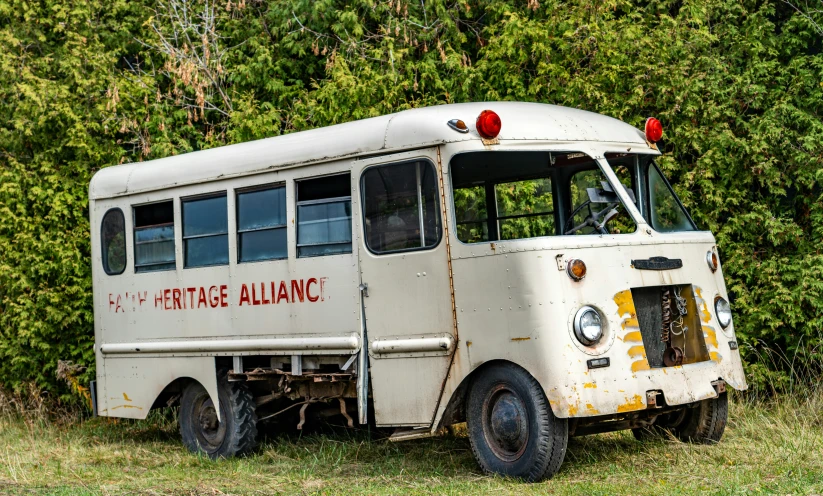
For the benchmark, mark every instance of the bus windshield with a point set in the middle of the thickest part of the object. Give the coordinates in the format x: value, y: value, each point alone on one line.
x: 658, y: 202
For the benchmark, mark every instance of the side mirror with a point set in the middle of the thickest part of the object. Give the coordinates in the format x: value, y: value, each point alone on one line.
x: 606, y: 194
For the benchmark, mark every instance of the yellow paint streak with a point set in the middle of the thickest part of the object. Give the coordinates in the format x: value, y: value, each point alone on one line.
x: 633, y: 337
x: 630, y: 322
x: 573, y: 410
x: 640, y: 365
x: 591, y: 410
x: 521, y: 339
x: 637, y: 351
x: 636, y: 403
x: 126, y: 406
x: 710, y: 335
x: 716, y: 357
x: 125, y: 397
x: 589, y: 385
x: 625, y: 304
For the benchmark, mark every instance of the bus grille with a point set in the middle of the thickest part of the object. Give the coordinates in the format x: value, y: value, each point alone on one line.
x: 670, y: 325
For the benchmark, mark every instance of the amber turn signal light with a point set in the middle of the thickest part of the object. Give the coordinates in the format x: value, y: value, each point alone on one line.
x: 711, y: 260
x: 576, y: 269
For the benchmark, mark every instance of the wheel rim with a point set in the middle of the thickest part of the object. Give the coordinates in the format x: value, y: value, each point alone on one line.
x: 505, y: 423
x: 210, y: 431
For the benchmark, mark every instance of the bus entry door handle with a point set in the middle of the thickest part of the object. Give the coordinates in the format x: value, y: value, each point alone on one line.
x: 364, y: 288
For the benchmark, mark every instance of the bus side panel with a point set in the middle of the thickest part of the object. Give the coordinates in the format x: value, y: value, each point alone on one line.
x: 128, y: 386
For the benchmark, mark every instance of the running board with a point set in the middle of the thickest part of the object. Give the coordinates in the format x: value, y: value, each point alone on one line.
x: 407, y: 433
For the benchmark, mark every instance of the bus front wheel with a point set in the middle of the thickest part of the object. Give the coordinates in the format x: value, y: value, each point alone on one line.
x: 512, y: 429
x: 705, y: 422
x: 202, y: 432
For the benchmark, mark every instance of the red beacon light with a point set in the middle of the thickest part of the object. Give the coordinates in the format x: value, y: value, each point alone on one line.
x: 654, y: 130
x: 488, y: 124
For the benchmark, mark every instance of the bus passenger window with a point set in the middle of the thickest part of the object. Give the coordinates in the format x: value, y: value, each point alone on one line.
x: 154, y: 237
x: 205, y: 231
x: 113, y: 241
x: 400, y: 207
x: 261, y: 224
x: 324, y: 216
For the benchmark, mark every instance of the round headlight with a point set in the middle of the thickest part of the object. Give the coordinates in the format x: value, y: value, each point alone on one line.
x: 587, y: 326
x: 723, y: 311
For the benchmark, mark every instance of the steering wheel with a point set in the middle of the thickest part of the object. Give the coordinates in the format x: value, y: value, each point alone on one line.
x: 593, y: 219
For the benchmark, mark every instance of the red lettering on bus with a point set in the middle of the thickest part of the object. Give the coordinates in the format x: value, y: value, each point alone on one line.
x: 117, y: 307
x: 175, y: 299
x: 254, y: 300
x: 111, y: 302
x: 191, y: 292
x: 263, y: 299
x: 158, y: 299
x: 308, y: 293
x: 283, y: 292
x: 201, y: 298
x: 224, y: 294
x: 244, y: 295
x: 141, y: 299
x: 166, y: 299
x: 214, y: 298
x: 273, y: 292
x: 296, y: 288
x: 322, y: 288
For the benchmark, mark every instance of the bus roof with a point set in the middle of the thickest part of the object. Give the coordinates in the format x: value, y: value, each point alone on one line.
x: 404, y: 130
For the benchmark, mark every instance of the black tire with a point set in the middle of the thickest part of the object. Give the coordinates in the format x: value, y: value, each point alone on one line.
x: 704, y: 423
x: 235, y: 435
x: 512, y: 429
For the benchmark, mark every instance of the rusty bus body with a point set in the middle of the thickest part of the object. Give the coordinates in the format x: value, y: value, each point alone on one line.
x: 333, y: 299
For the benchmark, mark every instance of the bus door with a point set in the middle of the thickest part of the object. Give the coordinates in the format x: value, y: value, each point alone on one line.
x: 404, y: 273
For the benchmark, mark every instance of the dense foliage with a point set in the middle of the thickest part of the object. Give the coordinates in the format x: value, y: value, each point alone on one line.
x: 85, y: 84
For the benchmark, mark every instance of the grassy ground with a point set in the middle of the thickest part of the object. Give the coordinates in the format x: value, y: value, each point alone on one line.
x: 767, y: 448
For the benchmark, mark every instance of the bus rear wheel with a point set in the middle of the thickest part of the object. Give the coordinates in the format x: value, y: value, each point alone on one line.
x: 512, y: 429
x: 202, y: 432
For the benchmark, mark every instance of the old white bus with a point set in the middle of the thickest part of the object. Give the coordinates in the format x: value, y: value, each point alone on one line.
x: 525, y: 268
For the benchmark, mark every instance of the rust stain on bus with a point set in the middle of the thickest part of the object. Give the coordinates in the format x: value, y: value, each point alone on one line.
x: 521, y: 339
x: 633, y: 404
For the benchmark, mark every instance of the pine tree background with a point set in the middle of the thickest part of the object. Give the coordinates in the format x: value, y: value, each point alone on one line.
x: 85, y: 84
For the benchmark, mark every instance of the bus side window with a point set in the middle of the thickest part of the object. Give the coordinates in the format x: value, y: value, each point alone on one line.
x: 113, y: 240
x: 400, y: 207
x: 261, y: 224
x: 324, y: 216
x: 154, y: 237
x: 205, y: 231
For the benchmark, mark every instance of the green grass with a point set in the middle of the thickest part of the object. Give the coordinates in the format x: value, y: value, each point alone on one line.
x: 774, y: 447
